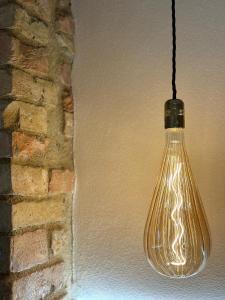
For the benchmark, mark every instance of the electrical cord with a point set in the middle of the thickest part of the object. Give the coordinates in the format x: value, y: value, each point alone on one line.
x: 174, y: 89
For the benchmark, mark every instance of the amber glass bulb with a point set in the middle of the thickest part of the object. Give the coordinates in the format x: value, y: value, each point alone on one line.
x: 176, y: 237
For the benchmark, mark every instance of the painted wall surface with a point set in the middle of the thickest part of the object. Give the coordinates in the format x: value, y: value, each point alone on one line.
x: 122, y: 75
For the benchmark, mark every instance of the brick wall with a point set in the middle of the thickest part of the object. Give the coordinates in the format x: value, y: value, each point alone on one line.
x: 36, y: 141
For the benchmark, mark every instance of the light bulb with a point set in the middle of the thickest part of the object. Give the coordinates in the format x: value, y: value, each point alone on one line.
x: 176, y: 237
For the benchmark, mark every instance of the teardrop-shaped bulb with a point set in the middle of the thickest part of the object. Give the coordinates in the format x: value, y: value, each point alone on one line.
x: 176, y: 237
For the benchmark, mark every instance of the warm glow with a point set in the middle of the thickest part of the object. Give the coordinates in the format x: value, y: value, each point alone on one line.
x: 174, y: 189
x: 176, y: 237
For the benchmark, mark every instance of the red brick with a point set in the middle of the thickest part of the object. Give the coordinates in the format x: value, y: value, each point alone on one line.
x: 65, y: 24
x: 30, y: 58
x: 28, y: 250
x: 27, y: 57
x: 23, y: 251
x: 61, y: 181
x: 68, y: 103
x: 40, y: 284
x: 28, y: 148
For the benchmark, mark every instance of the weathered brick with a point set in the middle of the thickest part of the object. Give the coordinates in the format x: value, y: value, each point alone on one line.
x: 32, y: 118
x: 26, y: 28
x: 40, y: 8
x: 25, y: 116
x: 68, y: 103
x: 39, y: 284
x: 27, y: 57
x: 10, y: 116
x: 36, y: 108
x: 61, y: 181
x: 65, y: 75
x: 50, y: 92
x: 66, y: 47
x: 24, y: 87
x: 59, y: 153
x: 63, y: 6
x: 3, y: 106
x: 58, y: 242
x: 28, y: 180
x: 55, y: 120
x: 27, y: 148
x: 65, y: 24
x: 37, y: 213
x: 69, y: 127
x: 28, y: 250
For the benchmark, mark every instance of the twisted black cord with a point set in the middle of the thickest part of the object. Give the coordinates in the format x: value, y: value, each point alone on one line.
x: 174, y: 51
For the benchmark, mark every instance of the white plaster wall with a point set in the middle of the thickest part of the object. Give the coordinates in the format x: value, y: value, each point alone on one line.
x: 122, y: 77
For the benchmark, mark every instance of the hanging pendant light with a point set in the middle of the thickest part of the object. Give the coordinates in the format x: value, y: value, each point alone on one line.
x: 176, y: 237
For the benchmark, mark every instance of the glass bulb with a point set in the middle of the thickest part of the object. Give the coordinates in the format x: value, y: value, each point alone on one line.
x: 176, y: 237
